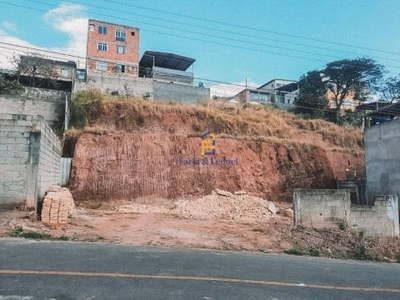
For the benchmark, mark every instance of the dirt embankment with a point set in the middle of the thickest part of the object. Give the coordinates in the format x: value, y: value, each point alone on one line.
x: 139, y: 164
x: 142, y: 149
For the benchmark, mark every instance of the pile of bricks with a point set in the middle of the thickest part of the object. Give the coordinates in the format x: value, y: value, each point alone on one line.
x: 58, y: 206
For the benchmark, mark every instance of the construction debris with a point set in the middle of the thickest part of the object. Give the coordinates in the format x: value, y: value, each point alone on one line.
x: 272, y: 208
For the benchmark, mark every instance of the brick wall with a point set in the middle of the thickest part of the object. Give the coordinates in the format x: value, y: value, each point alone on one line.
x: 324, y: 208
x: 111, y: 56
x: 29, y: 158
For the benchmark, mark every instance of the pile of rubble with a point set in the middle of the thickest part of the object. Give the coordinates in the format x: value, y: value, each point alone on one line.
x: 229, y: 206
x: 58, y: 206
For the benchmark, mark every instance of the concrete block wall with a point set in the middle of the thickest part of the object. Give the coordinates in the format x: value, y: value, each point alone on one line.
x: 14, y: 156
x: 380, y: 219
x: 123, y: 85
x: 29, y: 158
x: 164, y: 91
x: 324, y: 208
x: 321, y: 208
x: 144, y: 87
x: 382, y: 158
x: 49, y: 159
x: 34, y: 102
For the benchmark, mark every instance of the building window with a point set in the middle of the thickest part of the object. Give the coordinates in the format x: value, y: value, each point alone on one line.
x: 121, y: 49
x: 91, y: 27
x: 102, y: 47
x: 101, y: 66
x: 120, y: 35
x: 119, y: 68
x: 64, y: 72
x: 102, y: 29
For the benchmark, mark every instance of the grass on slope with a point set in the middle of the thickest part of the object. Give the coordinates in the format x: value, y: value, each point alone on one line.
x: 96, y: 112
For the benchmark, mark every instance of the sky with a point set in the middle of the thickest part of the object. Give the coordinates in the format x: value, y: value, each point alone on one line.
x: 234, y: 42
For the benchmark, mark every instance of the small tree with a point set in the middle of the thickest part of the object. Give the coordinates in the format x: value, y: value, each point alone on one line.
x: 391, y: 89
x: 9, y: 85
x: 312, y: 95
x: 351, y: 79
x: 36, y: 68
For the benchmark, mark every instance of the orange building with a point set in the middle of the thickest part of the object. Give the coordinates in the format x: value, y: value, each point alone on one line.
x: 112, y: 49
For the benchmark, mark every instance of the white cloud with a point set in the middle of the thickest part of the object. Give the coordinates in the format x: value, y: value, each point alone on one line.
x: 10, y: 46
x: 66, y: 18
x: 230, y: 90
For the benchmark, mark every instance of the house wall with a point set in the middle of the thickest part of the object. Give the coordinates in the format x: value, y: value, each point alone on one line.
x: 49, y: 104
x: 275, y: 83
x: 131, y: 43
x: 322, y: 208
x: 29, y: 158
x: 382, y: 159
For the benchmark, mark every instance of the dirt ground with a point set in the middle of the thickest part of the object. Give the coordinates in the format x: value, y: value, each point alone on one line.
x: 212, y: 222
x: 235, y: 222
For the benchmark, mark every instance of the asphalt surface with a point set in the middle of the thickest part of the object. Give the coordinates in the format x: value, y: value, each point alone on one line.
x: 31, y: 270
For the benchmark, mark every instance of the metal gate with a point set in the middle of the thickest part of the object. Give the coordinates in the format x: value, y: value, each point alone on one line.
x: 65, y: 170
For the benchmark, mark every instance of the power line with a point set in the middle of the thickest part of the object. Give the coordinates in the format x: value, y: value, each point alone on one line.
x: 207, y: 41
x: 252, y: 28
x: 213, y: 42
x: 224, y: 31
x: 229, y: 32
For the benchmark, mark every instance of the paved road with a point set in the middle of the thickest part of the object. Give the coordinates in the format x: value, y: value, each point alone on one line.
x: 32, y: 270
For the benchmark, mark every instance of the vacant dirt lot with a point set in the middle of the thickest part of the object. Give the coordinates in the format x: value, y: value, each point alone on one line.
x: 237, y: 222
x: 214, y: 222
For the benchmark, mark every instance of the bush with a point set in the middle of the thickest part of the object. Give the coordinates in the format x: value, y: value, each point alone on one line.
x: 303, y: 251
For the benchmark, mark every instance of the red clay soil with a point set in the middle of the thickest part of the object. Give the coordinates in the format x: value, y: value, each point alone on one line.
x: 127, y: 166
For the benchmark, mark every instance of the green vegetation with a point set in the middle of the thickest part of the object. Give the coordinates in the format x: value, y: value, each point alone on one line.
x: 20, y: 233
x: 9, y: 86
x: 360, y: 252
x: 303, y: 251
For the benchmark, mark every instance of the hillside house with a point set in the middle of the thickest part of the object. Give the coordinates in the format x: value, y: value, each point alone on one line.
x: 166, y: 67
x: 47, y: 73
x: 253, y: 95
x: 112, y: 49
x: 279, y: 91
